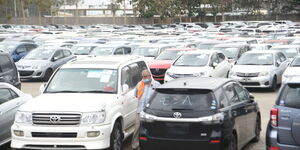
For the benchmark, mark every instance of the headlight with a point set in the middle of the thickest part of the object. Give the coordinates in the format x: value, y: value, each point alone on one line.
x: 264, y: 73
x: 93, y: 118
x: 146, y: 117
x: 232, y: 73
x: 23, y: 117
x: 35, y: 67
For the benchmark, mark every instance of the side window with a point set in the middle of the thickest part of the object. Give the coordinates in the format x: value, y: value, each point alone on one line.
x: 230, y: 93
x: 282, y: 57
x: 277, y: 58
x: 221, y: 57
x: 5, y: 95
x: 127, y: 50
x: 21, y: 49
x: 119, y: 51
x: 58, y: 54
x: 221, y: 98
x: 135, y: 74
x: 30, y: 47
x: 67, y: 53
x: 126, y: 78
x: 5, y: 64
x: 241, y: 92
x: 214, y: 59
x: 142, y: 66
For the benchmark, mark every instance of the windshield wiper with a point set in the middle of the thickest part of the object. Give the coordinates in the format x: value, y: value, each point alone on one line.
x: 65, y: 91
x: 96, y: 92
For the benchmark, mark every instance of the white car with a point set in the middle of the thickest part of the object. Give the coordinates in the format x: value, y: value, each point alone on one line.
x: 200, y: 63
x: 292, y: 70
x: 262, y: 69
x: 11, y: 99
x: 291, y: 51
x: 87, y: 104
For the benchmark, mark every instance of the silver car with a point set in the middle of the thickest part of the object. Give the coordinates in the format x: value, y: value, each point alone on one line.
x: 263, y: 68
x: 41, y: 63
x: 11, y: 99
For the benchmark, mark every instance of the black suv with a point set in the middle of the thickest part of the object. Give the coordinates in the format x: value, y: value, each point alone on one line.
x: 8, y: 71
x: 194, y: 113
x: 283, y: 131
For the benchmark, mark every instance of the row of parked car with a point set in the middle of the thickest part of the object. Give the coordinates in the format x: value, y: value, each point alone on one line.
x: 202, y: 103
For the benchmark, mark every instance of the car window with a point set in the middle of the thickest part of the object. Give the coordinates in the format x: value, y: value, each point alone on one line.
x: 221, y: 98
x: 58, y: 54
x: 6, y: 95
x: 221, y: 57
x: 5, y: 64
x: 126, y: 78
x: 242, y: 93
x: 127, y: 50
x: 290, y: 96
x: 119, y: 51
x: 67, y: 53
x: 30, y: 47
x: 214, y: 59
x: 135, y: 74
x: 282, y: 57
x: 231, y: 94
x: 21, y: 49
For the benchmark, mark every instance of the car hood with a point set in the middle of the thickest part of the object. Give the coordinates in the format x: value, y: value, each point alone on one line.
x: 292, y: 71
x: 68, y: 102
x: 188, y: 70
x: 162, y: 64
x: 25, y: 62
x: 251, y: 68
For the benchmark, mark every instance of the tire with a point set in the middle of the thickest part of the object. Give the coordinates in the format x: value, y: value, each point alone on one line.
x: 257, y: 129
x: 48, y: 74
x: 116, y: 137
x: 232, y: 145
x: 274, y: 84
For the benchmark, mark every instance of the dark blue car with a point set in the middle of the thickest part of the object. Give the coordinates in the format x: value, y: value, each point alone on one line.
x: 17, y: 50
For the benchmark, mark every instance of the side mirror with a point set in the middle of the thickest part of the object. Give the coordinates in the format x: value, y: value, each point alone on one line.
x: 54, y: 59
x: 125, y: 89
x: 42, y: 87
x: 214, y: 64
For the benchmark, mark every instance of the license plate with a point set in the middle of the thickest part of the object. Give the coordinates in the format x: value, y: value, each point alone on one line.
x: 178, y: 128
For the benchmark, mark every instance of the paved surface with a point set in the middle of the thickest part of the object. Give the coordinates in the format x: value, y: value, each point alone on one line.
x: 264, y: 98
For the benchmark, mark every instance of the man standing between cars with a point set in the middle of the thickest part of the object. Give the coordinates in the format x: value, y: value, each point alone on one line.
x: 144, y: 90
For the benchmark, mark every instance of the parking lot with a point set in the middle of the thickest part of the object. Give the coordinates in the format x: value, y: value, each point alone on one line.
x: 264, y: 98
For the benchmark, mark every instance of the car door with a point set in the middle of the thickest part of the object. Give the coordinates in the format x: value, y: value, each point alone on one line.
x: 238, y: 114
x: 129, y: 101
x: 57, y: 59
x: 250, y: 110
x: 9, y: 103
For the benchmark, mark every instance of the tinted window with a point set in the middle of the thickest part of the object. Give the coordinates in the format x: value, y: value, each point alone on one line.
x: 119, y: 51
x: 214, y: 59
x: 230, y: 93
x: 21, y: 49
x: 135, y: 74
x: 127, y: 50
x: 241, y: 92
x: 58, y: 54
x: 67, y: 53
x: 221, y: 57
x: 5, y: 64
x: 290, y: 96
x: 283, y: 58
x: 182, y: 99
x: 5, y: 95
x: 30, y: 47
x: 220, y: 96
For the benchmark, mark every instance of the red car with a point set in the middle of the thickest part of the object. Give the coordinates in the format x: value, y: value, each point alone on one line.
x: 164, y: 61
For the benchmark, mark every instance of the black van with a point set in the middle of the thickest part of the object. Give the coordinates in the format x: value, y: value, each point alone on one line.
x: 8, y: 71
x: 200, y: 113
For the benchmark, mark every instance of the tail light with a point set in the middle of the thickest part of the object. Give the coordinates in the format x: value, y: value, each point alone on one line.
x: 274, y: 117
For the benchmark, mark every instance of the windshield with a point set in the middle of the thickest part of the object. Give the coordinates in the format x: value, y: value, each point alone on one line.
x: 290, y: 53
x: 7, y: 47
x: 296, y: 62
x: 193, y: 60
x: 231, y: 53
x: 100, y: 51
x: 169, y: 55
x: 82, y: 50
x: 84, y: 81
x: 256, y: 59
x: 39, y: 54
x: 206, y: 46
x: 182, y: 99
x: 146, y: 51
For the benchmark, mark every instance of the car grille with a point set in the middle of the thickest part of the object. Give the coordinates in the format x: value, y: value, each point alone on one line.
x: 158, y: 72
x: 53, y: 135
x: 56, y: 119
x: 250, y: 83
x: 239, y: 74
x: 70, y: 147
x: 25, y: 73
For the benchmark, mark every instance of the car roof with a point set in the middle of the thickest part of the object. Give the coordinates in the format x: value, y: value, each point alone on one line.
x: 207, y: 83
x: 111, y: 62
x: 263, y: 51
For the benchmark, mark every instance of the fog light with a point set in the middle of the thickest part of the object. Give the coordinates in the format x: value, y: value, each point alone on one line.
x: 93, y: 133
x: 267, y: 83
x: 18, y: 133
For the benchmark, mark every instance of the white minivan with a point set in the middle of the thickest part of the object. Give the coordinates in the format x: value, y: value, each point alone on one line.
x: 87, y: 104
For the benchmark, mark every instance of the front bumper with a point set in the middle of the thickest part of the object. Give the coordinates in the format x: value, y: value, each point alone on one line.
x: 272, y: 141
x: 31, y: 74
x: 81, y: 141
x: 255, y: 82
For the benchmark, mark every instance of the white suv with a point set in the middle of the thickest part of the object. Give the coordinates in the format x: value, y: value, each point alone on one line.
x: 87, y: 104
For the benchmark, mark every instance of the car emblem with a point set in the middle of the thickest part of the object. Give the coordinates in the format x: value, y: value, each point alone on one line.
x: 157, y: 69
x: 177, y: 115
x: 54, y: 119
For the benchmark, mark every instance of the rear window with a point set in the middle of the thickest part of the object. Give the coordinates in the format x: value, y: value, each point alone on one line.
x: 182, y: 99
x: 290, y: 96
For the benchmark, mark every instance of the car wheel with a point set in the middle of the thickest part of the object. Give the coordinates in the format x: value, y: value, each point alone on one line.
x: 116, y: 137
x: 257, y: 129
x: 48, y: 74
x: 274, y: 84
x: 232, y: 143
